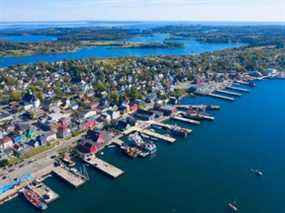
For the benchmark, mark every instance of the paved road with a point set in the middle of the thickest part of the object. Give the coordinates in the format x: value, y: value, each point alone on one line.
x: 37, y: 162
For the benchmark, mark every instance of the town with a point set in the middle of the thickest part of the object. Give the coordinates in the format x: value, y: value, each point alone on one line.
x: 53, y: 112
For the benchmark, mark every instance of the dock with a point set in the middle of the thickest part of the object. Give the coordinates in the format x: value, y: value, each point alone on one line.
x: 118, y: 142
x: 46, y: 193
x: 242, y: 82
x: 186, y: 120
x: 105, y: 167
x: 169, y: 127
x: 227, y: 98
x: 157, y: 135
x: 229, y: 93
x: 74, y: 179
x: 238, y: 89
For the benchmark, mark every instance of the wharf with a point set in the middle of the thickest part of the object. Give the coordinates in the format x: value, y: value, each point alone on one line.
x: 150, y: 133
x: 186, y: 120
x: 75, y: 180
x: 46, y: 193
x: 105, y: 167
x: 118, y: 142
x: 242, y: 82
x: 227, y: 98
x: 157, y: 135
x: 169, y: 127
x: 229, y: 93
x: 238, y: 89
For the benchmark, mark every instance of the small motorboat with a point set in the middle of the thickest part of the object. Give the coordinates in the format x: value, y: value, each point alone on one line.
x: 233, y: 206
x: 256, y: 172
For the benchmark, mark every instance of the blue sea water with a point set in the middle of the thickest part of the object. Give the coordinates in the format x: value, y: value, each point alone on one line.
x: 199, y: 174
x: 191, y: 47
x: 28, y: 38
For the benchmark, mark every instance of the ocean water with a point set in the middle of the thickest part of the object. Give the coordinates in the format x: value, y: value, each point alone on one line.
x: 28, y: 38
x: 191, y: 47
x: 199, y: 174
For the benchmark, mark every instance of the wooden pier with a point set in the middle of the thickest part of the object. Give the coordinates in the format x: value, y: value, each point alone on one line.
x: 169, y: 127
x: 227, y: 98
x: 46, y: 193
x: 75, y: 180
x: 186, y: 120
x: 229, y: 93
x: 105, y: 167
x: 238, y: 89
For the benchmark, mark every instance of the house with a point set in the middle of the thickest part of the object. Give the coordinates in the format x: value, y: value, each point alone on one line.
x: 144, y: 115
x: 6, y: 142
x: 63, y: 132
x: 16, y: 138
x: 48, y: 137
x: 168, y: 110
x: 87, y: 146
x: 5, y: 117
x: 89, y: 113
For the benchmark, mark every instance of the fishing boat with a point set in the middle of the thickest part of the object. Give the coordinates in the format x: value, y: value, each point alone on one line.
x: 132, y: 152
x: 233, y: 206
x: 178, y: 131
x: 195, y: 114
x: 143, y: 145
x: 34, y: 198
x: 67, y: 159
x: 256, y: 172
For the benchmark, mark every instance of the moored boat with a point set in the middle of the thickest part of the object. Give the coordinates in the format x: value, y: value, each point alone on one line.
x: 34, y: 198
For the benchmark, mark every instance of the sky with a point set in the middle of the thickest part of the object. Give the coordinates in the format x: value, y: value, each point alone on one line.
x: 142, y: 10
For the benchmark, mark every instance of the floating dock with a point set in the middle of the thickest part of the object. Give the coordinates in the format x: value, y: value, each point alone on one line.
x: 157, y: 135
x: 238, y: 89
x: 227, y: 98
x: 186, y: 120
x: 46, y: 193
x: 229, y: 93
x: 75, y: 180
x: 105, y: 167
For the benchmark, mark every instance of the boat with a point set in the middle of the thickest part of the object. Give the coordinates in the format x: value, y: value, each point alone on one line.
x: 178, y: 131
x: 252, y: 84
x: 132, y: 152
x: 143, y: 145
x: 233, y: 206
x: 34, y: 198
x: 213, y: 107
x: 67, y: 159
x: 194, y: 114
x: 257, y: 172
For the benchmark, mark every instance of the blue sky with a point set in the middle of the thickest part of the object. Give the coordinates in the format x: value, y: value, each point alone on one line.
x: 158, y: 10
